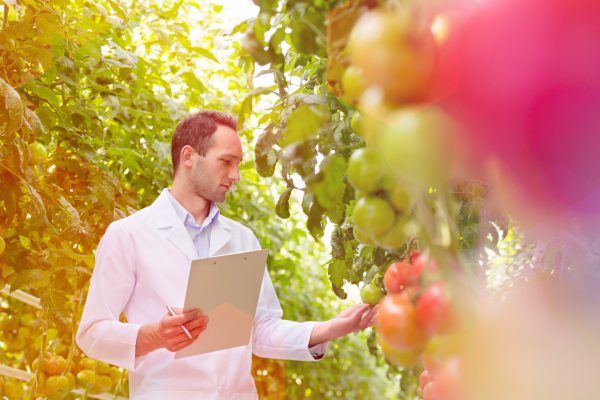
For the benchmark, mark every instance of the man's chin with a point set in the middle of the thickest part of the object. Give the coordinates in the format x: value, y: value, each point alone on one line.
x: 219, y: 198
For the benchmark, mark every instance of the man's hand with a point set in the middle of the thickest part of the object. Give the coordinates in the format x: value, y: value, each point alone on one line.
x: 167, y: 332
x: 352, y: 319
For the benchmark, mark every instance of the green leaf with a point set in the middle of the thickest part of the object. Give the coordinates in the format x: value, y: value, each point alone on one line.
x: 304, y: 123
x: 337, y: 273
x: 205, y: 53
x: 253, y: 46
x: 264, y: 154
x: 315, y: 220
x: 283, y: 205
x: 118, y: 9
x: 44, y: 93
x: 329, y: 191
x: 13, y: 106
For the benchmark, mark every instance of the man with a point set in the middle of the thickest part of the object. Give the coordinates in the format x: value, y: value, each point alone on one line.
x: 142, y: 264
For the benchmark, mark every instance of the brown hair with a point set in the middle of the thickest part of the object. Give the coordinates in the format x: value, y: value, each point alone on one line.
x: 196, y: 130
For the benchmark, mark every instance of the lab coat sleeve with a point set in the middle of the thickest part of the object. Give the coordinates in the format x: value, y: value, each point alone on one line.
x: 101, y: 335
x: 273, y: 337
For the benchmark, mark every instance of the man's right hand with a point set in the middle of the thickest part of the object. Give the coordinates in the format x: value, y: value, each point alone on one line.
x: 167, y: 332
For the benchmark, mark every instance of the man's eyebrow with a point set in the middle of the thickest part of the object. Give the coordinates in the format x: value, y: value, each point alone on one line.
x: 230, y: 155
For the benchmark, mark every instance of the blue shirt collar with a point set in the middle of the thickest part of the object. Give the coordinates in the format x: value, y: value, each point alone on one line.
x: 188, y: 219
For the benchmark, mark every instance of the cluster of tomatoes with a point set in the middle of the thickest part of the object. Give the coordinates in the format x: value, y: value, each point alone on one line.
x: 417, y: 320
x: 56, y: 382
x: 23, y: 333
x: 382, y: 214
x: 391, y: 82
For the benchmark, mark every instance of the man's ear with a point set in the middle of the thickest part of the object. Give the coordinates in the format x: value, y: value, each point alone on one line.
x: 185, y: 157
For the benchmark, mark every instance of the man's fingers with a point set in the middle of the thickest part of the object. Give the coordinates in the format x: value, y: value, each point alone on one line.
x: 181, y: 319
x: 181, y: 340
x: 372, y: 313
x: 368, y: 319
x: 202, y: 321
x: 358, y: 310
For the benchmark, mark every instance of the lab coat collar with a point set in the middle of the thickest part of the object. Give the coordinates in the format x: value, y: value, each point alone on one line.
x: 167, y: 221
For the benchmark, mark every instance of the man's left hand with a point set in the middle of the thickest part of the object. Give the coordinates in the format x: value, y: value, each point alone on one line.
x: 352, y: 319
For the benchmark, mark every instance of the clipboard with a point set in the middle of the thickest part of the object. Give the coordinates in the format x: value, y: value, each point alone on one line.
x: 226, y: 288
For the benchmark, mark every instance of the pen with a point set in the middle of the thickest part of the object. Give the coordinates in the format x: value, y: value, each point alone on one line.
x: 172, y: 313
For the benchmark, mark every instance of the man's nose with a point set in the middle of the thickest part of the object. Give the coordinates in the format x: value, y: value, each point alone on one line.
x: 234, y: 175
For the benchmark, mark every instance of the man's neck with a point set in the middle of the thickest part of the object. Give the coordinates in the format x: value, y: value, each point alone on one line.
x: 195, y: 205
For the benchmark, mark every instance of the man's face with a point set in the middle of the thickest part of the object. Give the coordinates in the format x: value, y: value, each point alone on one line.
x: 211, y: 176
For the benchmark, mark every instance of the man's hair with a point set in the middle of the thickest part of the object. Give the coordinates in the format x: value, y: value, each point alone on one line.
x: 196, y: 130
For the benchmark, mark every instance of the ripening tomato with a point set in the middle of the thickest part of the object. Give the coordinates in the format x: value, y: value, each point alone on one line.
x: 435, y: 314
x: 398, y: 357
x: 394, y: 54
x: 56, y: 365
x: 397, y: 324
x: 399, y: 276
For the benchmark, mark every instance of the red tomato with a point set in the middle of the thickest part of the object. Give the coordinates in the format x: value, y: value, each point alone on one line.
x: 425, y: 378
x: 414, y: 254
x: 422, y: 263
x: 397, y: 324
x: 429, y: 391
x: 400, y: 275
x: 447, y: 381
x: 435, y: 314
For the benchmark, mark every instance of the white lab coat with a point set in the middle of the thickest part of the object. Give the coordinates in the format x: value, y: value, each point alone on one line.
x: 142, y: 263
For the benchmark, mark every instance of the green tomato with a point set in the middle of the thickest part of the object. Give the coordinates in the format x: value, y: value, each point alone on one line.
x: 394, y: 237
x: 353, y: 84
x: 57, y: 387
x: 373, y: 215
x: 366, y: 170
x: 86, y: 379
x: 398, y: 357
x: 357, y: 124
x: 362, y: 237
x: 103, y: 383
x: 38, y: 152
x: 413, y: 143
x: 371, y: 294
x: 399, y: 198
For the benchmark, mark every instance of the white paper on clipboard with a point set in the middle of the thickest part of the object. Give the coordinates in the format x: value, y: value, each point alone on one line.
x: 226, y: 288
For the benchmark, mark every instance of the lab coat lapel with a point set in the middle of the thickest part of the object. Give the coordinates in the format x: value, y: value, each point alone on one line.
x: 171, y: 227
x: 219, y: 235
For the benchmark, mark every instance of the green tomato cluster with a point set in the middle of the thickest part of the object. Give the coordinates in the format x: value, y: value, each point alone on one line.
x: 382, y: 213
